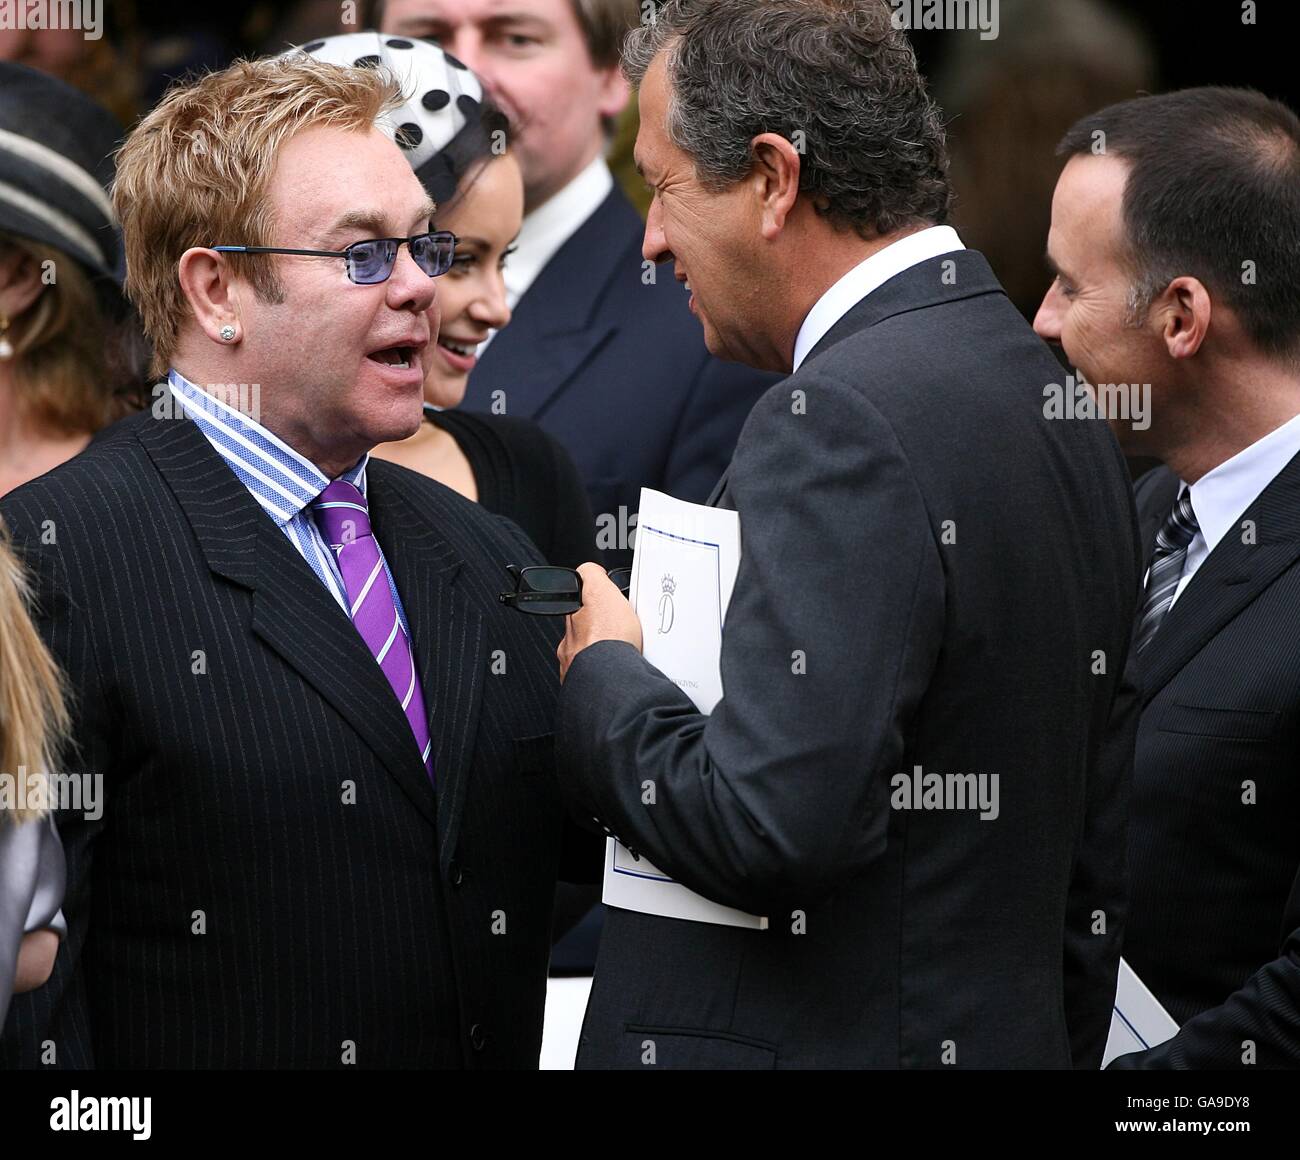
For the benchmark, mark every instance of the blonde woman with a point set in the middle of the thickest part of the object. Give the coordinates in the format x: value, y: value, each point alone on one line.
x: 32, y: 719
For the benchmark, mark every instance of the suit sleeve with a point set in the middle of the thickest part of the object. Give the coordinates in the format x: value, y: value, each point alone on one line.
x: 1097, y: 903
x: 833, y: 630
x: 720, y: 400
x: 59, y: 1012
x: 1257, y: 1026
x: 1096, y: 907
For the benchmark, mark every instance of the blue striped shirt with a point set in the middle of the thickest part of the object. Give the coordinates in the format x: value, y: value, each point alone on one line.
x: 281, y: 480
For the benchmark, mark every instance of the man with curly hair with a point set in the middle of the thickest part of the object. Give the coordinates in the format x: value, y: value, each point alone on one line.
x: 917, y: 772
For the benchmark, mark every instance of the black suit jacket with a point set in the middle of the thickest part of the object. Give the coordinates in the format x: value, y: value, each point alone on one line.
x: 274, y: 882
x: 1214, y: 927
x: 948, y: 566
x: 618, y: 372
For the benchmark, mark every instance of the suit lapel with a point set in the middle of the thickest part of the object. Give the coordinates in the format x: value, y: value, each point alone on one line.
x: 451, y: 647
x: 557, y: 327
x: 293, y: 613
x: 1229, y: 579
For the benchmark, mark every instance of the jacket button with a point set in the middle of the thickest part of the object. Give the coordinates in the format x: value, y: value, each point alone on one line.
x: 455, y: 873
x: 478, y: 1037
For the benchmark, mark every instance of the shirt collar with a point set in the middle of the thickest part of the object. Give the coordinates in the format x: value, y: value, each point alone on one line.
x: 1220, y: 497
x: 553, y: 223
x: 284, y: 482
x: 869, y: 275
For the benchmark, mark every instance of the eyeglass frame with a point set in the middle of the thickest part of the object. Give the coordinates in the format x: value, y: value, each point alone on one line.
x: 511, y: 599
x: 347, y: 256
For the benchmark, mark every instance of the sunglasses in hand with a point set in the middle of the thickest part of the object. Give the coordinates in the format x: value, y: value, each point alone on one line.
x: 547, y: 591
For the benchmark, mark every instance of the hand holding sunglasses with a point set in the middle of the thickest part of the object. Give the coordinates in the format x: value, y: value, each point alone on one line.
x: 547, y: 591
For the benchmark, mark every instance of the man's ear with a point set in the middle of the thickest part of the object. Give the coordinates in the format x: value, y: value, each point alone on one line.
x: 213, y: 294
x: 614, y: 93
x: 1184, y: 311
x: 20, y: 282
x: 775, y: 179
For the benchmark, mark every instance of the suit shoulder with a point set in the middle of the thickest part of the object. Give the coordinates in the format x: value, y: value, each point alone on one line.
x: 98, y: 479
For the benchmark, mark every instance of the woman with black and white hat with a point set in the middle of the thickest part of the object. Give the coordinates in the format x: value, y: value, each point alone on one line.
x: 68, y: 359
x: 457, y: 143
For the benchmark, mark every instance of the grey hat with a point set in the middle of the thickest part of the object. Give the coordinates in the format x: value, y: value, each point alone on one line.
x: 56, y: 164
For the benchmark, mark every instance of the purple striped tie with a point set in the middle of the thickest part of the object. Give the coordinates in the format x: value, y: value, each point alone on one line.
x: 344, y: 521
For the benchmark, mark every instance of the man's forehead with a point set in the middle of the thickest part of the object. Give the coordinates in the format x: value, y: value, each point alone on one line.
x: 1088, y: 203
x: 326, y: 178
x: 1094, y: 185
x: 456, y: 12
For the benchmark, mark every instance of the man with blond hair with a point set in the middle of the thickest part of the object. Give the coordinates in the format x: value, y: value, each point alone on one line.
x: 329, y: 836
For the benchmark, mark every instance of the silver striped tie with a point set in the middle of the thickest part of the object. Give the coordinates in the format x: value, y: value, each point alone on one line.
x: 1166, y: 567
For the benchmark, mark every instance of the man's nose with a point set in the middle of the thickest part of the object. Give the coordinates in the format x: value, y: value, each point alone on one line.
x: 409, y: 287
x: 466, y: 45
x: 654, y: 245
x: 1047, y: 322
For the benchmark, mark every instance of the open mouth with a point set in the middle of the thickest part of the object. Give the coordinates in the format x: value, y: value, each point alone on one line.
x: 465, y: 350
x: 400, y: 357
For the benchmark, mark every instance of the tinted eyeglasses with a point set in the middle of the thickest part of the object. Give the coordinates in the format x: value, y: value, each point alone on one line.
x: 546, y: 591
x: 372, y: 261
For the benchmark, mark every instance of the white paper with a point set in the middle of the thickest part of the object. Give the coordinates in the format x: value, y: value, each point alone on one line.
x: 1138, y: 1020
x: 683, y: 573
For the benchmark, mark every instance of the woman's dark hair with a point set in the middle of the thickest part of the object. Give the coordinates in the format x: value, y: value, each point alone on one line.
x: 454, y: 168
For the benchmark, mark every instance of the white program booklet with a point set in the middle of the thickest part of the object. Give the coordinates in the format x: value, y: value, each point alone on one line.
x: 683, y: 571
x: 1138, y: 1020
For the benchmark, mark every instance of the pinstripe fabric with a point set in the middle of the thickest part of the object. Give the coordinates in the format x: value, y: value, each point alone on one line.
x: 280, y: 479
x: 1166, y: 569
x: 272, y: 878
x: 1214, y: 861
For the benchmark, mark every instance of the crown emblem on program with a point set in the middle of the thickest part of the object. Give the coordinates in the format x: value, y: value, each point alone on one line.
x: 669, y: 584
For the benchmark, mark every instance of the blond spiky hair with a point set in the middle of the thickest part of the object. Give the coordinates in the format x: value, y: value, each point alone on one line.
x: 33, y: 717
x: 197, y: 169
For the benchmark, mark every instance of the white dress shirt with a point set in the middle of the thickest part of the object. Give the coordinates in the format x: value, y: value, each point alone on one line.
x: 867, y: 276
x: 1220, y: 497
x: 548, y: 227
x: 552, y: 224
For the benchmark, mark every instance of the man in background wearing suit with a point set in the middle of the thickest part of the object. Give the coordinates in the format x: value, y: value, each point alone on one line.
x: 937, y: 580
x: 1175, y: 245
x: 330, y: 834
x: 602, y: 350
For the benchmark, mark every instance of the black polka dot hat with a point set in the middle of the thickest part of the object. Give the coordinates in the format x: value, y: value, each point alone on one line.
x: 443, y: 99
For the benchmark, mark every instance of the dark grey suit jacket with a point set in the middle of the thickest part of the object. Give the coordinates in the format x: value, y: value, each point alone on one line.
x: 1215, y: 919
x: 273, y: 877
x: 957, y: 576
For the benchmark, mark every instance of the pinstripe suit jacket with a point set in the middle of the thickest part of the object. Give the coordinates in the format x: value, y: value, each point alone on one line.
x: 1214, y: 924
x: 274, y: 882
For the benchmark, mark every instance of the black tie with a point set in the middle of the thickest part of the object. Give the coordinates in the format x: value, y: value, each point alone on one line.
x: 1166, y: 567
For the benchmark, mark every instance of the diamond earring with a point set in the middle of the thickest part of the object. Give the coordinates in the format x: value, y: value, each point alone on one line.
x: 6, y: 347
x: 227, y: 334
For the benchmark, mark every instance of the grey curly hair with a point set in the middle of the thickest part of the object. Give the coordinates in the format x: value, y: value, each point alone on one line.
x: 833, y: 77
